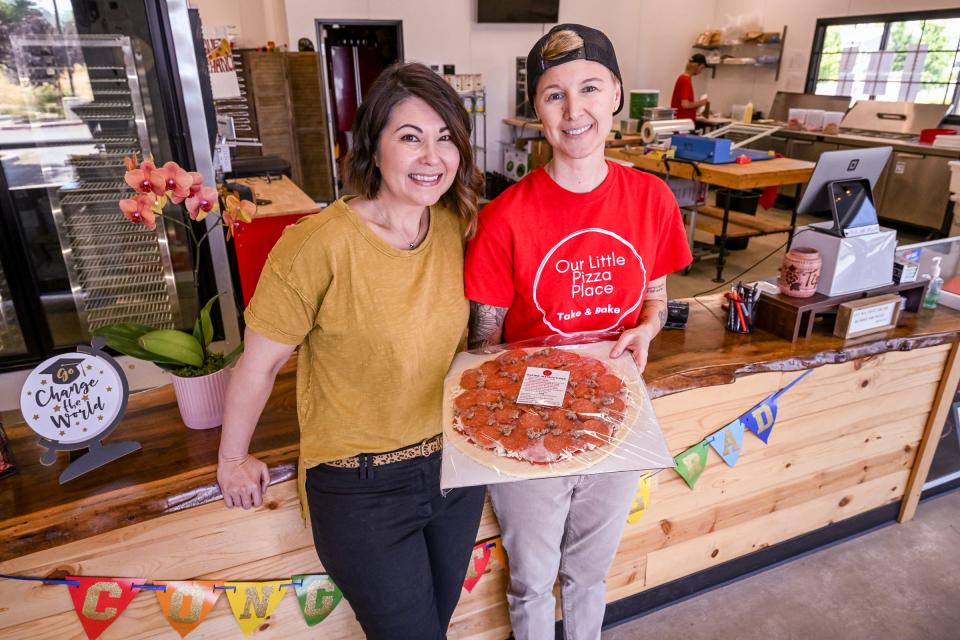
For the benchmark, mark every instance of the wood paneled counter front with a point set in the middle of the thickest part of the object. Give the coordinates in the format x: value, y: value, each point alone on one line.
x: 856, y: 436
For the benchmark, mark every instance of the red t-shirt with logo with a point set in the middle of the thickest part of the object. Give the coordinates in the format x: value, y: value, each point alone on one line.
x: 683, y: 90
x: 566, y: 262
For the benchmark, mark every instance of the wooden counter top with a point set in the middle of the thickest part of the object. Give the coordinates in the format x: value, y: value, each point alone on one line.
x: 176, y: 469
x: 285, y: 197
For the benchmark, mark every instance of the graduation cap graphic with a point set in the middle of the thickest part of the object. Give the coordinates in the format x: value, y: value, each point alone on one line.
x: 64, y: 370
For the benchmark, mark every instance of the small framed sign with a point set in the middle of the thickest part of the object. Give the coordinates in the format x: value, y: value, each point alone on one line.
x: 861, y: 317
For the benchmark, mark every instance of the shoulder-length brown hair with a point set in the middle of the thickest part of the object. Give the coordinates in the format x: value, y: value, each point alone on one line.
x: 395, y: 84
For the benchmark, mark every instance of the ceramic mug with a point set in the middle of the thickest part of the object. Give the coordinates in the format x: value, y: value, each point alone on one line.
x: 800, y: 272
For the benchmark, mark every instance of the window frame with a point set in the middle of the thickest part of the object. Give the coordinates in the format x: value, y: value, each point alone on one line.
x: 819, y: 35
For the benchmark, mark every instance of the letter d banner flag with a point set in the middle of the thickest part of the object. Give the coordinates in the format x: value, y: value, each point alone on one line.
x: 100, y: 601
x: 762, y: 417
x: 253, y: 602
x: 186, y: 603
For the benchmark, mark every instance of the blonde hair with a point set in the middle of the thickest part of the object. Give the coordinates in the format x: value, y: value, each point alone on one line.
x: 560, y: 43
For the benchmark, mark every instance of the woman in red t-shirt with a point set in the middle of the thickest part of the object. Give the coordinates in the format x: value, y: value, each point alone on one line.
x: 582, y: 244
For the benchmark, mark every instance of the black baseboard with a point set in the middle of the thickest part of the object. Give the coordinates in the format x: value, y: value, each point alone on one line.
x: 665, y: 595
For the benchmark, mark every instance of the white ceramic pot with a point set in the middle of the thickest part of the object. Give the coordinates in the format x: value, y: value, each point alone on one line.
x: 201, y: 399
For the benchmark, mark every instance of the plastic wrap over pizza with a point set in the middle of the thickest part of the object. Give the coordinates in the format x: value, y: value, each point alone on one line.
x: 580, y: 418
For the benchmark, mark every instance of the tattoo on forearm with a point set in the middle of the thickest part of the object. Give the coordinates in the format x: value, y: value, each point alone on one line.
x: 656, y: 289
x: 662, y: 316
x: 486, y: 324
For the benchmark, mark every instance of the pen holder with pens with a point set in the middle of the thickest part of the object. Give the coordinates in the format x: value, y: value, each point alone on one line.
x: 741, y: 304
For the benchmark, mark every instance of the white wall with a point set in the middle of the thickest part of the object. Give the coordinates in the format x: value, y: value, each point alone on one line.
x: 739, y: 84
x: 257, y: 21
x: 652, y: 44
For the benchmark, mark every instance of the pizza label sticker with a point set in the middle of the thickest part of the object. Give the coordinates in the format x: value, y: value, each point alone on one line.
x: 543, y: 387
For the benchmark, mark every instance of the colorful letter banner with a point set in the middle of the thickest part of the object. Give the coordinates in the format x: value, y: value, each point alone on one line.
x: 318, y: 596
x: 728, y: 442
x: 497, y: 553
x: 640, y: 500
x: 186, y: 603
x: 100, y: 601
x: 479, y: 560
x: 253, y: 602
x: 692, y: 462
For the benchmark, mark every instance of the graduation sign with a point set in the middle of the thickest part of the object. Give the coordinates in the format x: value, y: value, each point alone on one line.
x: 73, y: 401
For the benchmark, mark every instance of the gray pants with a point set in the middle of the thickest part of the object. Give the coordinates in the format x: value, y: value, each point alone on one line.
x: 569, y: 526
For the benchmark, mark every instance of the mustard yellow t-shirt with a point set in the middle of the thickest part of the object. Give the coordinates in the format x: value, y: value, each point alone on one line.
x: 378, y: 328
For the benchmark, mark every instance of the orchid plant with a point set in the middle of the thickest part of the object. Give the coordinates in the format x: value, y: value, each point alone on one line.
x: 184, y: 354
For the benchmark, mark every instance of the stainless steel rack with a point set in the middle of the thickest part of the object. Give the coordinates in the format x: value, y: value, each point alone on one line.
x: 118, y: 272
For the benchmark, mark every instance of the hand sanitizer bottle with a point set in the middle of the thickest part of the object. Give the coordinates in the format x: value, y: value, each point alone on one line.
x: 933, y: 289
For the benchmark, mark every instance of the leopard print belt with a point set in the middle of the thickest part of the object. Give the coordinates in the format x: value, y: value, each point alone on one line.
x: 421, y: 450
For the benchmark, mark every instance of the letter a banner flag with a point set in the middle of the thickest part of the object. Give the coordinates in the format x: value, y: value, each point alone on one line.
x: 728, y: 442
x: 186, y: 603
x: 252, y: 602
x: 691, y: 463
x: 100, y: 601
x: 318, y: 596
x: 479, y: 560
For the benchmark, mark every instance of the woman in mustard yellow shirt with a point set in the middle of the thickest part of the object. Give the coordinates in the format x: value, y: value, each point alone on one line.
x: 371, y: 289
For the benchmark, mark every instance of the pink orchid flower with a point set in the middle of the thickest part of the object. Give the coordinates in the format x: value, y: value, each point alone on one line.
x: 176, y: 182
x: 236, y: 211
x: 197, y: 182
x: 140, y: 210
x: 146, y: 179
x: 199, y: 205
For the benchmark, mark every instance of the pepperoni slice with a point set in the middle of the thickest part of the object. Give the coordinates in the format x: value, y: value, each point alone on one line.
x: 477, y: 417
x: 517, y: 440
x: 471, y: 379
x: 511, y: 391
x: 613, y: 404
x: 596, y: 432
x: 530, y: 420
x: 609, y: 383
x: 487, y: 436
x: 509, y: 414
x: 565, y: 359
x: 490, y: 368
x: 465, y: 400
x: 512, y: 357
x: 584, y: 408
x: 562, y: 420
x: 563, y: 443
x: 500, y: 381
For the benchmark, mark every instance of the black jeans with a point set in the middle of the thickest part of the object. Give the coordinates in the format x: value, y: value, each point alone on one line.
x: 397, y: 549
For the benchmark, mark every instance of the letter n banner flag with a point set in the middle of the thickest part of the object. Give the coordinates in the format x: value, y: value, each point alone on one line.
x: 100, y: 601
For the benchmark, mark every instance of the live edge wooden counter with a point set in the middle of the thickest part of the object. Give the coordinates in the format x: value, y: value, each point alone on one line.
x: 856, y: 436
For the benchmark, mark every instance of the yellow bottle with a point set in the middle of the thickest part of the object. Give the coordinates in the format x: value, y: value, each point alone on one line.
x: 748, y: 113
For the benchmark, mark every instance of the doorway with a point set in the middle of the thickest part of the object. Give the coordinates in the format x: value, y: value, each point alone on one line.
x: 353, y: 53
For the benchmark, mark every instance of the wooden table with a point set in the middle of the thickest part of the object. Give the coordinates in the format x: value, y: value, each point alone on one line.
x: 851, y: 450
x: 755, y: 175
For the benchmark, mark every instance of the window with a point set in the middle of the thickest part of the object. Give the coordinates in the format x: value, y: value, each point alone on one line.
x: 910, y: 57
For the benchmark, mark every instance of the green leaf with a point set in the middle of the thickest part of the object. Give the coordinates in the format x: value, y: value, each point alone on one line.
x: 233, y: 355
x: 206, y: 325
x: 175, y: 345
x: 124, y: 337
x: 197, y: 334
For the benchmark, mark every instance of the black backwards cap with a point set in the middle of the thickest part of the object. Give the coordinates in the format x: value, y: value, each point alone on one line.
x: 596, y: 48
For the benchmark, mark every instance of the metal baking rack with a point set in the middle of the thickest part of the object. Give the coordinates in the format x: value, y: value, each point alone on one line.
x: 118, y: 272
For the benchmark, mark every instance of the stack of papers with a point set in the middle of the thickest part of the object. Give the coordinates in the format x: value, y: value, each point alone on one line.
x: 947, y: 141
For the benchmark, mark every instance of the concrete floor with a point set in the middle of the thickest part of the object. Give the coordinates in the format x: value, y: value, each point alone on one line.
x: 901, y: 582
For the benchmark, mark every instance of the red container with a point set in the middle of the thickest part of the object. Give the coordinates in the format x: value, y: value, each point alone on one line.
x: 252, y: 242
x: 927, y: 135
